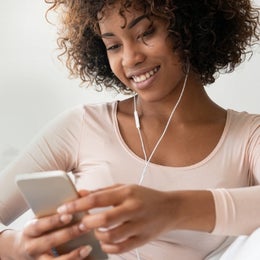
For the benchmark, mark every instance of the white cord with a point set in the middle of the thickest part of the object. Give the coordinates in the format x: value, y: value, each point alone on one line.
x: 147, y: 162
x: 137, y: 254
x: 137, y: 122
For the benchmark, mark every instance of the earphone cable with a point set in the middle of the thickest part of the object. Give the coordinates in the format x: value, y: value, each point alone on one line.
x: 137, y: 123
x: 147, y: 161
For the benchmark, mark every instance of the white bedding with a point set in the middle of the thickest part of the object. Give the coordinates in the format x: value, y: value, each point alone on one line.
x: 244, y: 248
x: 7, y: 154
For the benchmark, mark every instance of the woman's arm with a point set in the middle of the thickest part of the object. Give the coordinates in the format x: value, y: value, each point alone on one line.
x: 55, y: 148
x: 46, y: 152
x: 143, y: 214
x: 139, y: 214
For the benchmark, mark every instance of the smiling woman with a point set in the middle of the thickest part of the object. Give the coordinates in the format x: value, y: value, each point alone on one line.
x: 201, y: 37
x: 167, y: 151
x: 138, y: 50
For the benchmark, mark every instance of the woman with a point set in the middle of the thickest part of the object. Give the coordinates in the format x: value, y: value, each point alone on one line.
x: 187, y: 167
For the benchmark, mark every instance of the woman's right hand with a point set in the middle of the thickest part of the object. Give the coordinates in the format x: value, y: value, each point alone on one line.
x: 38, y: 237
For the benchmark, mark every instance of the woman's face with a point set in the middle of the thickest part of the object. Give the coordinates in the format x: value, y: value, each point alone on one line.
x: 140, y: 53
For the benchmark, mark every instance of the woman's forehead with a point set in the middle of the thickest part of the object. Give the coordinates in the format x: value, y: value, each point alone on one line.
x: 121, y: 17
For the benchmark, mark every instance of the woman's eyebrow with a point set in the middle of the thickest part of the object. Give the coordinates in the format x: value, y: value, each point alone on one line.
x: 136, y: 21
x: 107, y: 35
x: 129, y: 26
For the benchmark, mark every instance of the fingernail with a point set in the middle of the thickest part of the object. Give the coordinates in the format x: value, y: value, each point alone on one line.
x: 30, y: 222
x: 82, y: 227
x: 85, y: 251
x: 62, y: 209
x: 65, y: 218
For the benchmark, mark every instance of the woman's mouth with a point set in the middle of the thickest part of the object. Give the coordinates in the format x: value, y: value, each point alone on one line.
x: 145, y: 76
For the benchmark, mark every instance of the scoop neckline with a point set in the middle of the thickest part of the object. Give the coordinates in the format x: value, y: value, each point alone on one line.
x: 141, y: 160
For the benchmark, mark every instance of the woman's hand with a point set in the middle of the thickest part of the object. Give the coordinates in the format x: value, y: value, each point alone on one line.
x: 39, y: 236
x: 138, y: 215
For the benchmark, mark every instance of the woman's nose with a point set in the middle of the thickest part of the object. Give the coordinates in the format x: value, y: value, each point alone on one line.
x: 132, y: 55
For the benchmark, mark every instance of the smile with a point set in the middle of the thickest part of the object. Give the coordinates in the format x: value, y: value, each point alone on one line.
x: 145, y: 76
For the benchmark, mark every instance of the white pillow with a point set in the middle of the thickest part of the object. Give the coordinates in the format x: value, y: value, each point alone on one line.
x: 7, y: 154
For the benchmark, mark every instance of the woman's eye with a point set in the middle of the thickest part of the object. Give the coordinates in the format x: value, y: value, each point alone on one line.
x: 113, y: 47
x: 147, y: 33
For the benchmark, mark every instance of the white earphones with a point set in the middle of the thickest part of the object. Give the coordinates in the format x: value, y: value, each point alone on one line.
x: 137, y: 123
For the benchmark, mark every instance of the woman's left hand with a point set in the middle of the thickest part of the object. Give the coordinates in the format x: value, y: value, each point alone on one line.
x: 137, y: 215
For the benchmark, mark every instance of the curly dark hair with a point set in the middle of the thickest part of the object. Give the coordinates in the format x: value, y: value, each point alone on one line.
x: 213, y: 35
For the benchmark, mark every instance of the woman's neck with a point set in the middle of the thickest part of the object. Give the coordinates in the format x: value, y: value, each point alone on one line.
x: 195, y: 103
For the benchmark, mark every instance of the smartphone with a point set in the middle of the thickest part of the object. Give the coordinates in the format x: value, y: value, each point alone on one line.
x: 44, y: 192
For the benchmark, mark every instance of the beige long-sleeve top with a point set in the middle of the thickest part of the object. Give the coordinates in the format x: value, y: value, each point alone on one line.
x: 86, y: 141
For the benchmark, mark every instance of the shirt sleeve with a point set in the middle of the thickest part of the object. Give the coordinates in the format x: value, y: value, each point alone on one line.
x: 238, y: 209
x: 55, y: 148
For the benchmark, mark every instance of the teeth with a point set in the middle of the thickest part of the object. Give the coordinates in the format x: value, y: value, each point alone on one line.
x: 145, y: 76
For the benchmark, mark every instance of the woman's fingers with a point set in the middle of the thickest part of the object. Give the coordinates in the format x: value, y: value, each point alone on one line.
x: 37, y: 227
x: 111, y: 217
x: 83, y: 193
x: 77, y: 254
x: 129, y: 221
x: 117, y: 234
x: 61, y: 236
x: 52, y: 239
x: 125, y: 246
x: 99, y: 198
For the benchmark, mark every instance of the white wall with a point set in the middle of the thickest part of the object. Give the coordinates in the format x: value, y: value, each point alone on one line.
x: 34, y: 86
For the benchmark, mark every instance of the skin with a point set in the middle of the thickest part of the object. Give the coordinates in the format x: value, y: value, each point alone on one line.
x: 197, y: 123
x: 131, y: 222
x: 193, y: 133
x: 35, y: 240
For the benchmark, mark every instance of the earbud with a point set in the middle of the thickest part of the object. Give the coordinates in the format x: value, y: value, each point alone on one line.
x: 137, y: 122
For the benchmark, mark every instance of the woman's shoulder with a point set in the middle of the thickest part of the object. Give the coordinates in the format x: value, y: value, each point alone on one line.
x: 68, y: 125
x: 99, y: 107
x: 242, y: 117
x: 81, y: 111
x: 244, y: 122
